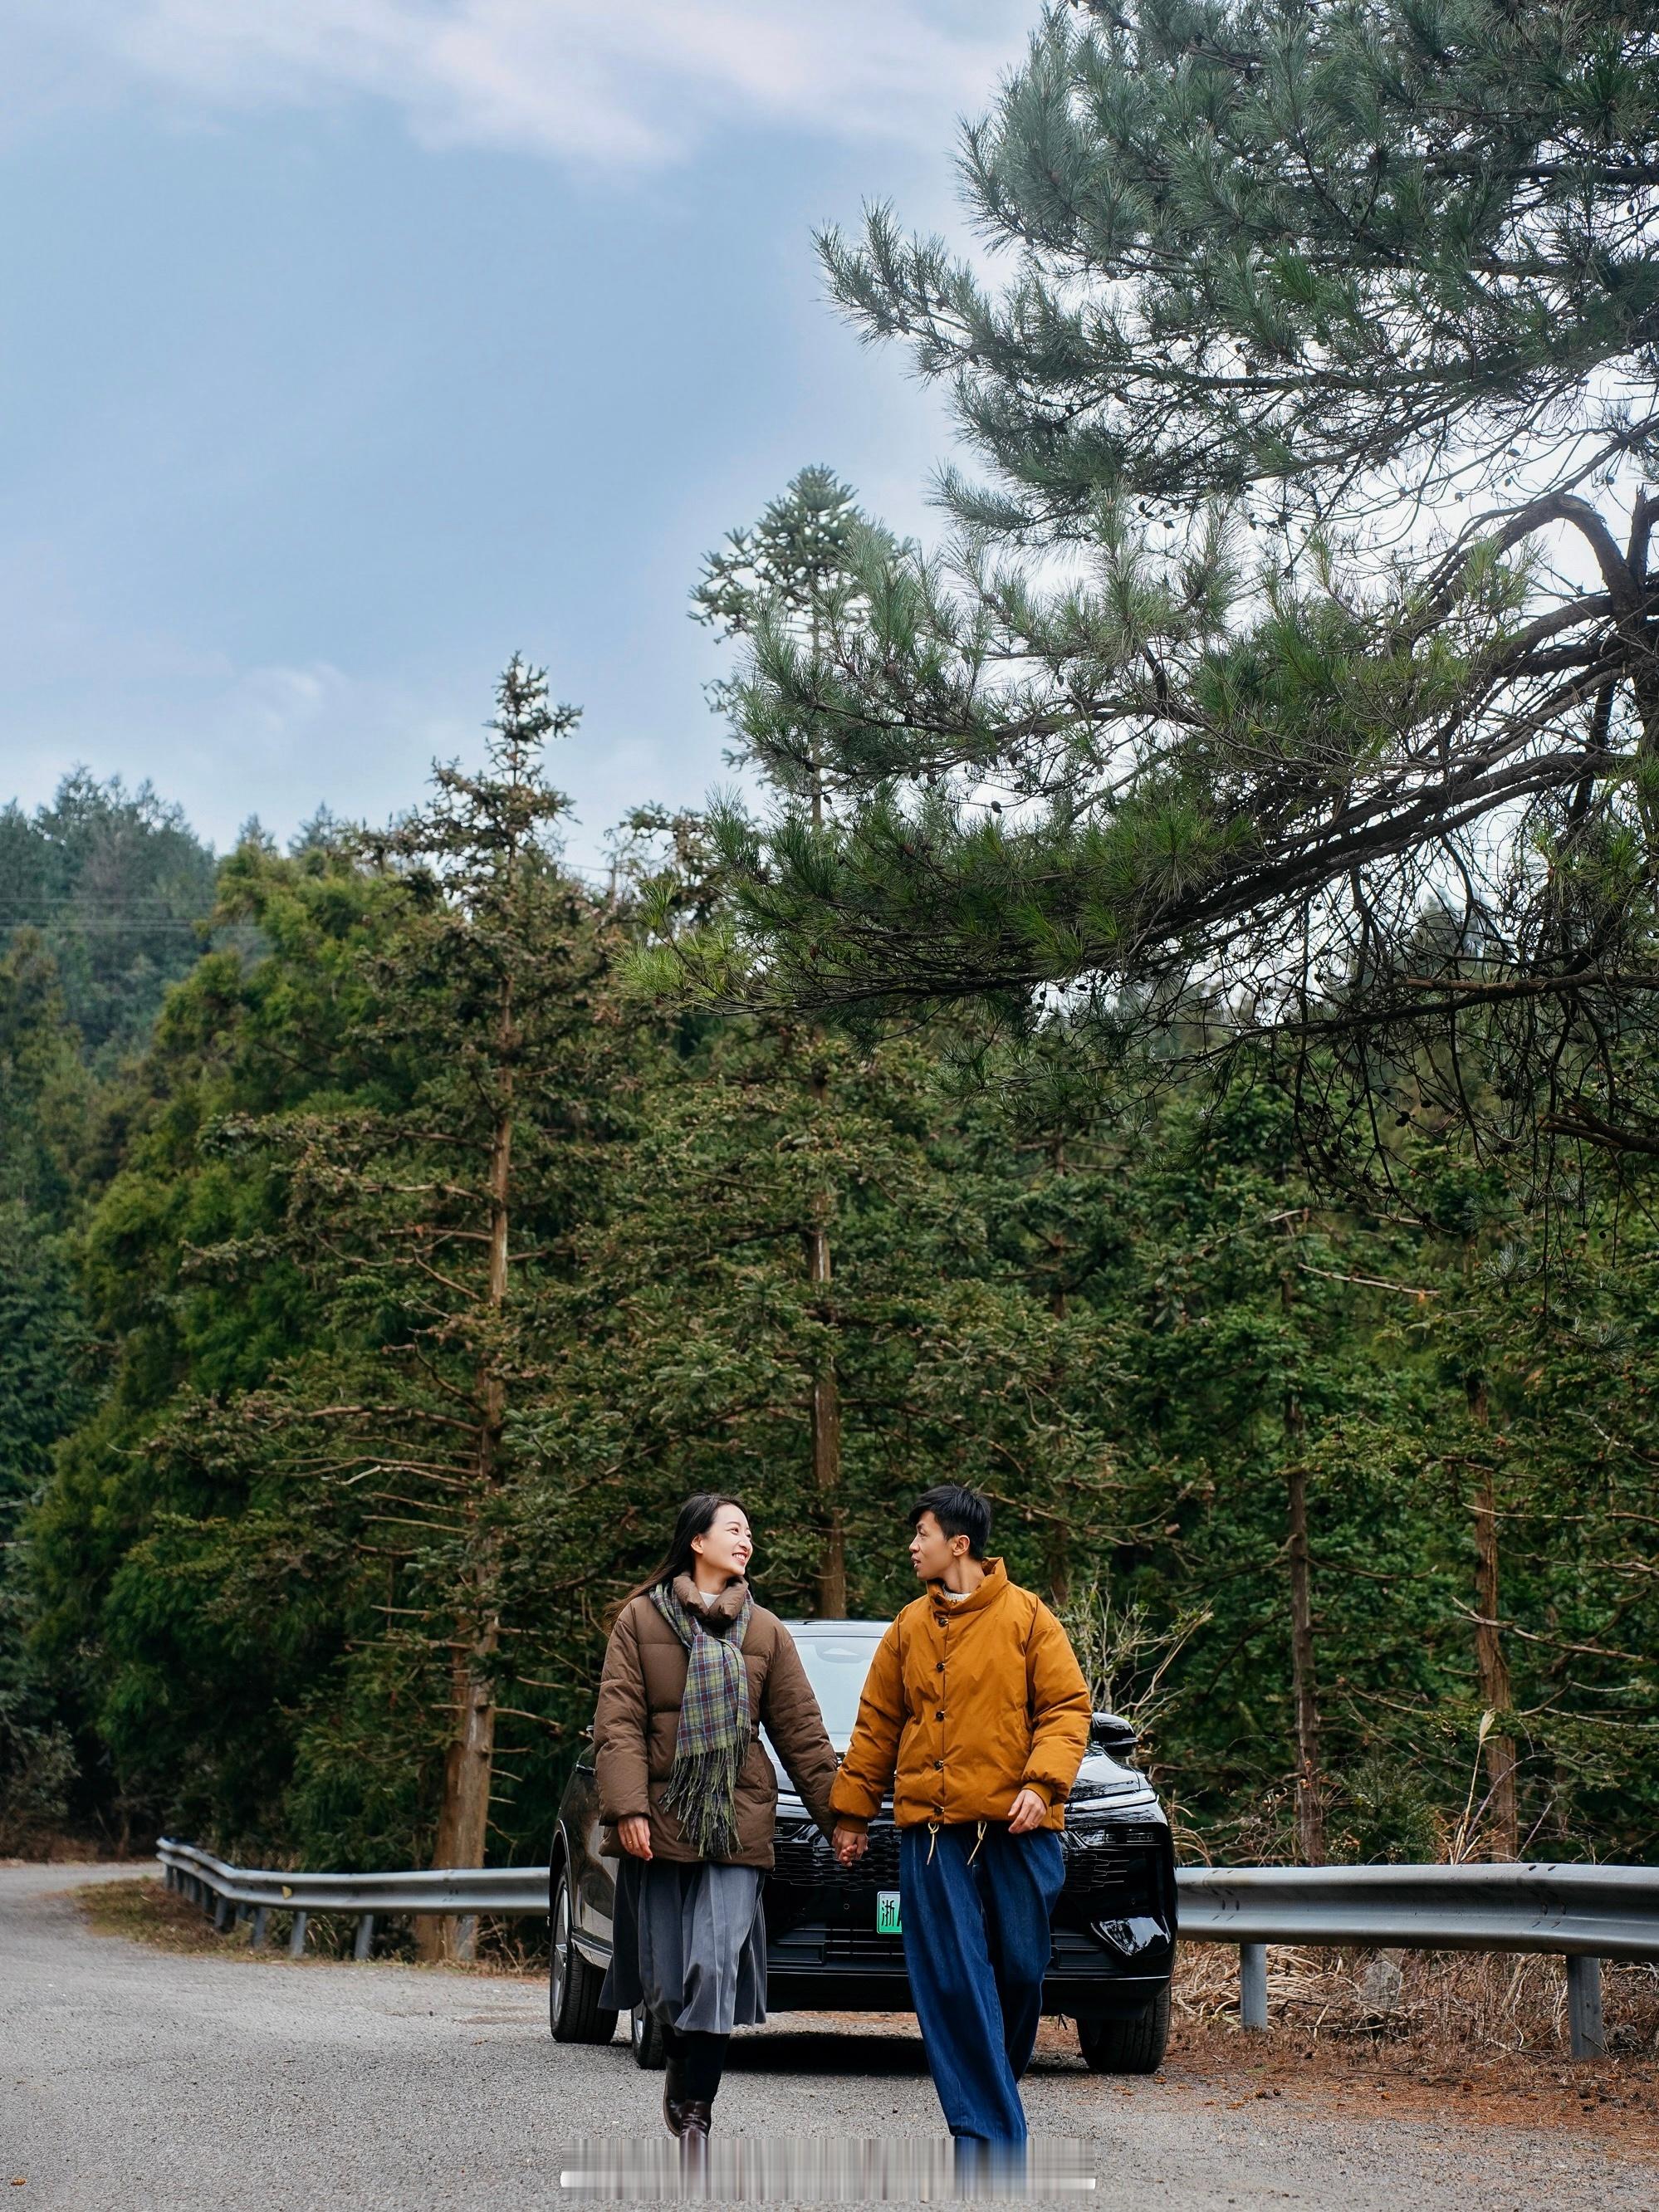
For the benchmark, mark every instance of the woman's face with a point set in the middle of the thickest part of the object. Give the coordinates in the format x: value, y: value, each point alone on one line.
x: 725, y: 1545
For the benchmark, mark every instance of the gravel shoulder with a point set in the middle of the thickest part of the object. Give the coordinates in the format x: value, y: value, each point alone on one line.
x: 135, y: 2076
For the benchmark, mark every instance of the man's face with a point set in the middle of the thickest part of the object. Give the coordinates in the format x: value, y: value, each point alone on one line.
x: 931, y: 1551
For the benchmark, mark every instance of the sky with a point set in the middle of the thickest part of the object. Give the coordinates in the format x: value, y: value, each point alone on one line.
x: 351, y: 346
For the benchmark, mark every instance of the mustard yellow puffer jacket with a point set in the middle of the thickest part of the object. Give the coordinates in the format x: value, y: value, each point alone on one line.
x: 966, y: 1705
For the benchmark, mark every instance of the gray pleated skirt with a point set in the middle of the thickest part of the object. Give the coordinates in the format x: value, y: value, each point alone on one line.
x: 689, y: 1942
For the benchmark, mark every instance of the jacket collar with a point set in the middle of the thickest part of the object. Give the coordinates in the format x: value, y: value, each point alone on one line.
x: 718, y: 1612
x: 995, y: 1583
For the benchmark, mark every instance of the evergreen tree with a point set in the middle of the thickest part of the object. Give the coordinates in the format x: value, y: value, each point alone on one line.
x: 369, y: 1151
x: 118, y: 889
x: 1291, y: 664
x: 788, y: 574
x: 43, y: 1379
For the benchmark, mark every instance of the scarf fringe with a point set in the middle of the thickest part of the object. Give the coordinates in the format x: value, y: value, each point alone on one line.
x: 702, y: 1795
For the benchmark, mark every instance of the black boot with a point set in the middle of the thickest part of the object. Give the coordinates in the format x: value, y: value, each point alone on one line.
x: 673, y: 2084
x: 697, y: 2115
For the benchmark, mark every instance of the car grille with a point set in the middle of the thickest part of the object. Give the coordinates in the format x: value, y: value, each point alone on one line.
x: 1094, y: 1861
x: 1126, y: 1874
x: 862, y: 1947
x: 1074, y: 1953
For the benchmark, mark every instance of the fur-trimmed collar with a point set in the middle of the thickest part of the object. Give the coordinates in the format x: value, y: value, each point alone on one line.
x: 717, y: 1613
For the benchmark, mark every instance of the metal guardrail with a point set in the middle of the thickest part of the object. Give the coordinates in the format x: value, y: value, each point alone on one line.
x: 1583, y: 1913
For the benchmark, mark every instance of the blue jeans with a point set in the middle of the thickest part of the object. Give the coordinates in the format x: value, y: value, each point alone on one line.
x: 976, y: 1943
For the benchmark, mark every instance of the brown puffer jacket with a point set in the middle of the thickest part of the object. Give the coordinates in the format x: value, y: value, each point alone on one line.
x: 966, y: 1704
x: 640, y: 1692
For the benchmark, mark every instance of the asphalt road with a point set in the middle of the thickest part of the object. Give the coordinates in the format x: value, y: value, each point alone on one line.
x: 132, y: 2078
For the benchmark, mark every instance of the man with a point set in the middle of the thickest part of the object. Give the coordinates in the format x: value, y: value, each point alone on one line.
x: 976, y: 1715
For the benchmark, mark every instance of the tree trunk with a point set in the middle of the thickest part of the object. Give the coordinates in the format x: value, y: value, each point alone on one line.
x: 1491, y: 1665
x: 1310, y: 1781
x: 1310, y: 1800
x: 1057, y: 1289
x: 831, y: 1577
x: 826, y: 1443
x: 468, y: 1763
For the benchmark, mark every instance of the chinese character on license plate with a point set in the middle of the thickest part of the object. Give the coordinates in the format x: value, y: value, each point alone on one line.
x: 887, y: 1912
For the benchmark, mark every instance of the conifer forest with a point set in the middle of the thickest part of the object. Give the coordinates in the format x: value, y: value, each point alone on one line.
x: 1166, y: 1035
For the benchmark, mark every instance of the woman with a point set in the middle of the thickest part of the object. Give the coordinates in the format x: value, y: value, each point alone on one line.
x: 693, y: 1668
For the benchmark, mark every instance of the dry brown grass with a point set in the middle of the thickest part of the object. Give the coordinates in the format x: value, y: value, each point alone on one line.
x: 1463, y: 2000
x: 1471, y: 2034
x: 146, y: 1912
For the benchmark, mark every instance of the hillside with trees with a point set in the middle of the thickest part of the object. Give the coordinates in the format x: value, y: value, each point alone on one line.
x: 1165, y: 1039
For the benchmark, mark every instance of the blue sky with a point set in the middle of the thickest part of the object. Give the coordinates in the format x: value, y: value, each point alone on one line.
x: 350, y: 345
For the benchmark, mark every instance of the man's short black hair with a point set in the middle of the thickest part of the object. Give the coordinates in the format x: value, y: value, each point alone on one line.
x: 959, y: 1511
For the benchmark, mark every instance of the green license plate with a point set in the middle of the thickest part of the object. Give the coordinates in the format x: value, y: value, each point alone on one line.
x: 887, y: 1912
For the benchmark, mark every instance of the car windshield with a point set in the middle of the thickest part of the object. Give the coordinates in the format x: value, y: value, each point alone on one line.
x: 836, y: 1661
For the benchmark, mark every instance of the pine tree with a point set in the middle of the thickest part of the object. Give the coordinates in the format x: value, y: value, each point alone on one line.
x: 788, y: 574
x: 118, y: 889
x: 1291, y: 664
x: 423, y: 1226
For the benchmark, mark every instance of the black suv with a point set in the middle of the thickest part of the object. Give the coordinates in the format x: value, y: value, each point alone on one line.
x: 832, y: 1933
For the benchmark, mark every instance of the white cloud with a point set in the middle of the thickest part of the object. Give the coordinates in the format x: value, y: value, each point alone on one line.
x: 597, y: 83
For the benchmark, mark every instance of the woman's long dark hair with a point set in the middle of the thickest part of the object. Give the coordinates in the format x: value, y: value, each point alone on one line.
x: 696, y: 1518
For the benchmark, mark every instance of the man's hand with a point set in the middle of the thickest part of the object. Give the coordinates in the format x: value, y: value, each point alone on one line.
x: 1027, y: 1811
x: 634, y: 1834
x: 852, y: 1840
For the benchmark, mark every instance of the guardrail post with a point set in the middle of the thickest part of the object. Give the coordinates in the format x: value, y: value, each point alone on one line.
x: 363, y: 1942
x: 1585, y: 2007
x: 296, y: 1941
x: 1253, y: 1986
x: 466, y: 1935
x: 220, y: 1911
x: 261, y: 1925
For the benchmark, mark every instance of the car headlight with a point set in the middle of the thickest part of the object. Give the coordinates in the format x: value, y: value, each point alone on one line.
x: 1133, y: 1789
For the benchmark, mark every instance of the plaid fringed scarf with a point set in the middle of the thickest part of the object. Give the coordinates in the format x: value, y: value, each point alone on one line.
x: 713, y: 1731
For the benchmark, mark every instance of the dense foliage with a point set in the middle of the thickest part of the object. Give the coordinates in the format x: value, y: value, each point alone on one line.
x: 1289, y: 657
x: 331, y: 1428
x: 389, y: 1241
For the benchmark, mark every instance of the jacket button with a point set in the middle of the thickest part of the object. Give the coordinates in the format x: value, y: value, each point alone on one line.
x: 939, y: 1715
x: 939, y: 1666
x: 938, y: 1766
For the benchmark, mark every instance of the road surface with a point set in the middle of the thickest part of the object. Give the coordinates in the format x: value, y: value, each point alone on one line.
x: 132, y: 2078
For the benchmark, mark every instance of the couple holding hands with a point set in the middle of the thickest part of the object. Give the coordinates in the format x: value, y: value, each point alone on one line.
x: 975, y: 1717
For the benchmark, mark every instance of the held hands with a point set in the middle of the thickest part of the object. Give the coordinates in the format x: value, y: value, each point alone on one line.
x: 851, y: 1841
x: 634, y: 1834
x: 1027, y: 1811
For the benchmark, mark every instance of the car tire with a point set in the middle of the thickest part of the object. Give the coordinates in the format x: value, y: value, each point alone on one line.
x: 1133, y: 2046
x: 574, y: 2013
x: 644, y: 2039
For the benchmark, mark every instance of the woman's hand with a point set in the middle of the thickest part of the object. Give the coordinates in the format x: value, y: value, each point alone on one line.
x: 852, y: 1840
x: 634, y: 1834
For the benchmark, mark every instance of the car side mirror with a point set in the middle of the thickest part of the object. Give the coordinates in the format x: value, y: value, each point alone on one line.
x: 1109, y: 1732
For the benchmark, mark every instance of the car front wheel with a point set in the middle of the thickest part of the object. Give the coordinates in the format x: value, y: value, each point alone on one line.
x: 574, y: 2012
x: 1133, y: 2046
